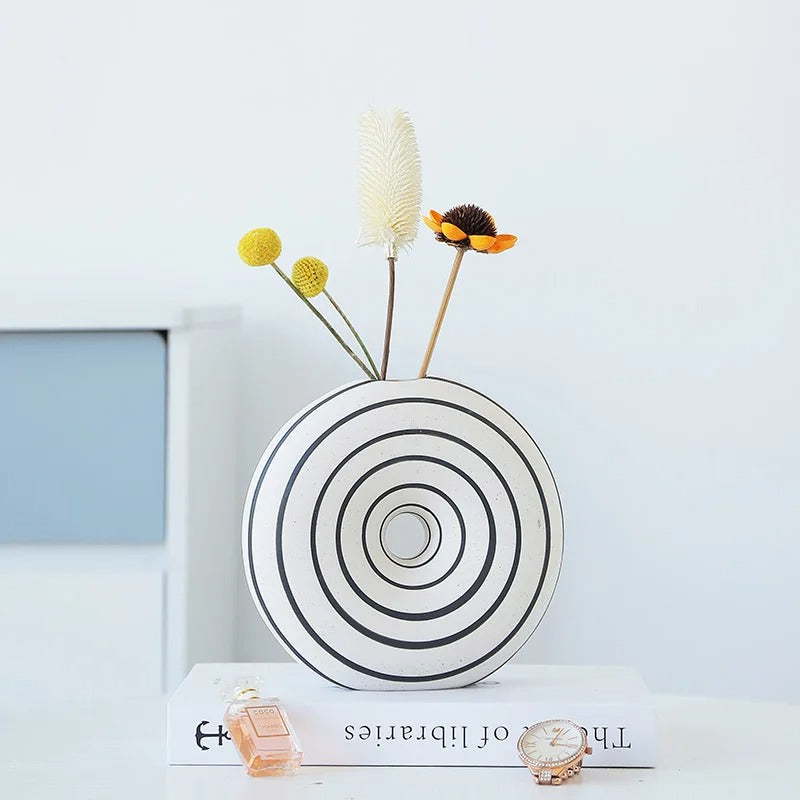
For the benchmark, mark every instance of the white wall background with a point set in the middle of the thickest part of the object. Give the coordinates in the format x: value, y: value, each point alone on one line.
x: 645, y: 327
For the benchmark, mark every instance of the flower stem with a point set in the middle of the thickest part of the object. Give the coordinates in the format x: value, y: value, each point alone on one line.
x: 387, y: 338
x: 437, y: 326
x: 352, y: 330
x: 325, y: 322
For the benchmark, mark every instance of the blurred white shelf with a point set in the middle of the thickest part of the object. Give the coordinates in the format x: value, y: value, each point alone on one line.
x: 97, y: 616
x: 113, y: 316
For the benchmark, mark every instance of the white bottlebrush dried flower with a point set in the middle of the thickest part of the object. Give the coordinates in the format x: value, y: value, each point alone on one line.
x: 390, y: 180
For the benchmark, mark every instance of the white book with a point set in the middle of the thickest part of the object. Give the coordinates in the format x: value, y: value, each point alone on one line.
x: 474, y: 726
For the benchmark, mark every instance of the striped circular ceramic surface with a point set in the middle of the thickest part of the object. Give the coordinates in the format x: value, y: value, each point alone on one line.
x: 315, y: 535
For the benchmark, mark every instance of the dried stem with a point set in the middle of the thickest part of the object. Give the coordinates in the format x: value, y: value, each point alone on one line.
x: 387, y: 338
x: 325, y: 322
x: 437, y: 326
x: 352, y: 330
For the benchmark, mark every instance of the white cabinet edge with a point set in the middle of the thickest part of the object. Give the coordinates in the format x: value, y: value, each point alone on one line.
x: 109, y: 316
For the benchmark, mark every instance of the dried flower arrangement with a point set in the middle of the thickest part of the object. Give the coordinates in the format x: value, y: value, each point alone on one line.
x: 318, y: 528
x: 390, y: 188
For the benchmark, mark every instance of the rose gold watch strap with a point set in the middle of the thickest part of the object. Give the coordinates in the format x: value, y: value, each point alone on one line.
x: 545, y: 776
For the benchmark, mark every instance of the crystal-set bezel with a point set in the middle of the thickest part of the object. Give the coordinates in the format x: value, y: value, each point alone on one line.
x: 549, y: 765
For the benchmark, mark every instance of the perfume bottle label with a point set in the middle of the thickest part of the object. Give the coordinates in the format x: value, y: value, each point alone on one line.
x: 266, y: 721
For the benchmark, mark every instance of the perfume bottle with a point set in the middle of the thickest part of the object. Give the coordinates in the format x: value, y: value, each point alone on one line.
x: 263, y: 735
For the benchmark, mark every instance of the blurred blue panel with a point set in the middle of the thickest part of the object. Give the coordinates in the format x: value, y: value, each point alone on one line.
x: 82, y: 436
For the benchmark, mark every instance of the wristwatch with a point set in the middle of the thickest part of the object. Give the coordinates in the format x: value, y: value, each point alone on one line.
x: 553, y: 750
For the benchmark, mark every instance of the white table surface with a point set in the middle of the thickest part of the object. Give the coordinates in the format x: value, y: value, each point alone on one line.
x: 116, y: 750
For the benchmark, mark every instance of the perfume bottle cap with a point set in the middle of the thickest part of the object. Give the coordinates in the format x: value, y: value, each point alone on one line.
x: 245, y: 687
x: 246, y: 694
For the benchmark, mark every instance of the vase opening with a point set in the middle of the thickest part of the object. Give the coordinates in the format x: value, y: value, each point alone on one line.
x: 405, y: 536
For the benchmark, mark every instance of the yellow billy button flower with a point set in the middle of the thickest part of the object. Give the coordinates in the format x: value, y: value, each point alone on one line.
x: 259, y: 247
x: 309, y: 275
x: 469, y: 227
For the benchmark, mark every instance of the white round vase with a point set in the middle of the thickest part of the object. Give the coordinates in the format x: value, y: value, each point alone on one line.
x: 315, y: 522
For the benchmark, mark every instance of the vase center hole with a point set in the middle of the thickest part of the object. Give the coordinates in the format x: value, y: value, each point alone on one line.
x: 405, y: 536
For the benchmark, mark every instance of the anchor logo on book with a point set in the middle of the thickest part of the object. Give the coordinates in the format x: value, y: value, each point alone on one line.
x: 199, y: 735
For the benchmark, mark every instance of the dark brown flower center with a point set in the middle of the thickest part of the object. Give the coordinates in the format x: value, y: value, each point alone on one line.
x: 471, y: 219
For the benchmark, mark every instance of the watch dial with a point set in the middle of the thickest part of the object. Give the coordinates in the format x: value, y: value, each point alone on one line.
x: 552, y: 742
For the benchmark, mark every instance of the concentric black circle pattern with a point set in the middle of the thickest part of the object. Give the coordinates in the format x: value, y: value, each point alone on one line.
x: 312, y: 535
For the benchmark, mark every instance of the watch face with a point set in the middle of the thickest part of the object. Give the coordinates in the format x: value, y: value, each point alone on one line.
x: 551, y: 743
